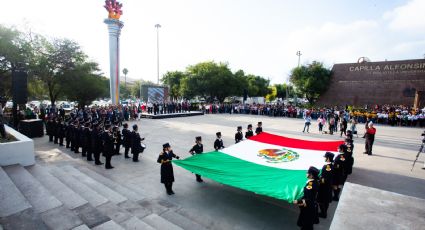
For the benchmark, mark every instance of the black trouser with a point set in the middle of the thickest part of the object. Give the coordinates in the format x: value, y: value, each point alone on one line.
x: 89, y: 154
x: 135, y: 157
x: 117, y: 149
x: 324, y: 209
x: 76, y: 147
x: 198, y: 177
x: 168, y: 186
x: 97, y: 157
x: 50, y: 137
x: 61, y: 141
x: 108, y: 158
x: 126, y: 149
x: 56, y: 139
x: 369, y: 144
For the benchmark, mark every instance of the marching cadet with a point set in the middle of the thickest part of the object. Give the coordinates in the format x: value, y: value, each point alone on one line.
x: 324, y: 196
x: 61, y: 131
x: 96, y: 143
x: 349, y: 156
x: 55, y: 130
x: 76, y: 137
x: 238, y: 135
x: 108, y: 146
x: 307, y: 204
x: 218, y: 143
x: 249, y: 132
x: 49, y: 127
x: 167, y: 174
x: 87, y: 150
x: 338, y: 178
x: 259, y: 128
x: 117, y: 137
x: 68, y: 132
x: 136, y: 147
x: 198, y: 148
x: 126, y: 139
x: 81, y: 137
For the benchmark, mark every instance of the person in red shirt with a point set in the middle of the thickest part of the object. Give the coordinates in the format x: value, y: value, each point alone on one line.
x: 370, y: 138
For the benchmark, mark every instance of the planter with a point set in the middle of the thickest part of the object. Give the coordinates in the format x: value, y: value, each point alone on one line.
x: 20, y: 151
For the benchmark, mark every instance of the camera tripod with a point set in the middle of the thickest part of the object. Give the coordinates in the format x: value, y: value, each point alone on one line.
x: 421, y: 149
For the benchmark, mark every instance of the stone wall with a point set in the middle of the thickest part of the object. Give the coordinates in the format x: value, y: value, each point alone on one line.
x: 389, y: 82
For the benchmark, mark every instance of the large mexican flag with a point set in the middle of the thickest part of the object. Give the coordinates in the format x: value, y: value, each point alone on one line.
x: 266, y: 164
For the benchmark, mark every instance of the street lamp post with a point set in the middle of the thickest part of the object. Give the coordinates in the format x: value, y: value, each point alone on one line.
x: 157, y: 26
x: 299, y: 57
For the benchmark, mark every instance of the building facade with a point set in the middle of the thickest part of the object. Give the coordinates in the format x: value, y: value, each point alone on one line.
x: 370, y: 83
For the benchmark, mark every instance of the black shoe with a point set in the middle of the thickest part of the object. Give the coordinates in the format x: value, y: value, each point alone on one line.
x: 200, y: 180
x: 99, y: 163
x: 61, y: 145
x: 127, y: 157
x: 322, y: 215
x: 423, y: 168
x: 172, y: 192
x: 84, y: 155
x: 89, y: 159
x: 364, y: 152
x: 369, y: 154
x: 335, y: 198
x: 135, y: 160
x: 169, y: 193
x: 109, y: 167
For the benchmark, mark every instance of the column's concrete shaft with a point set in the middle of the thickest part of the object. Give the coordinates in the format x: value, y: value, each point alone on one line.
x: 114, y: 28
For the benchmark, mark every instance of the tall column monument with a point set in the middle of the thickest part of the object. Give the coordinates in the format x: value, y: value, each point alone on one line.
x: 114, y: 27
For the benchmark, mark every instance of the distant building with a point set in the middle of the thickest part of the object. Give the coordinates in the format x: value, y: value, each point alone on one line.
x: 369, y: 83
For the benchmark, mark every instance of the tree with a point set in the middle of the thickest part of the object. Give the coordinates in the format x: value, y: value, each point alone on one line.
x: 125, y: 72
x: 257, y: 86
x: 173, y: 79
x: 82, y: 84
x: 135, y: 89
x: 51, y: 59
x: 311, y: 80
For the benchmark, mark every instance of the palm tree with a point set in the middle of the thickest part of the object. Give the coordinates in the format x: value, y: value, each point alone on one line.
x: 125, y: 72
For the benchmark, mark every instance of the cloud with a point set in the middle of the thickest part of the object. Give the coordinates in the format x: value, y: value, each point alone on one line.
x: 409, y: 17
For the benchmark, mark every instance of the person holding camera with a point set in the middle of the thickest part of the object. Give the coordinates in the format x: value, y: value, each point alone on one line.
x: 370, y: 138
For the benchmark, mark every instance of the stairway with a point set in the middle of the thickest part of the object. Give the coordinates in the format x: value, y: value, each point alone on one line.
x: 76, y: 197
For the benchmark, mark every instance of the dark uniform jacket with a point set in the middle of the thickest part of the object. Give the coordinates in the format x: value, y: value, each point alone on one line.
x: 308, y: 212
x: 258, y: 130
x: 339, y: 170
x: 249, y: 134
x: 126, y: 138
x: 349, y: 159
x: 60, y: 130
x: 325, y: 184
x: 167, y: 174
x: 197, y: 149
x: 135, y: 143
x: 108, y: 143
x: 218, y: 144
x: 96, y: 141
x: 238, y: 137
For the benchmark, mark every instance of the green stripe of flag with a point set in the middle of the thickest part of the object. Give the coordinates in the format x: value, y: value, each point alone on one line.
x: 274, y: 182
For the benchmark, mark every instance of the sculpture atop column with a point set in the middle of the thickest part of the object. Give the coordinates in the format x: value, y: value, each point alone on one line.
x: 114, y: 27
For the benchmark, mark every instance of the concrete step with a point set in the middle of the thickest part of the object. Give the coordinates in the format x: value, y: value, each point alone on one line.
x: 114, y: 212
x: 181, y: 221
x: 38, y: 196
x: 11, y: 199
x: 95, y: 185
x: 110, y: 225
x: 160, y: 223
x: 66, y: 195
x: 91, y: 216
x: 61, y: 218
x: 130, y: 194
x: 157, y: 206
x: 94, y: 198
x: 25, y: 220
x: 135, y: 223
x: 135, y: 209
x: 81, y: 227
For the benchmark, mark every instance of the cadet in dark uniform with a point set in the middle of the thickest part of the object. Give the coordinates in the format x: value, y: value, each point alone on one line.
x: 136, y: 147
x: 76, y: 140
x: 349, y: 157
x: 324, y: 196
x: 49, y: 127
x: 55, y: 130
x: 81, y: 138
x: 126, y: 140
x: 259, y: 128
x: 218, y: 143
x: 339, y: 171
x: 68, y: 126
x: 117, y: 139
x: 60, y: 131
x: 108, y: 146
x: 198, y: 148
x: 307, y: 204
x: 167, y: 174
x: 87, y: 141
x: 96, y: 141
x: 249, y: 132
x: 238, y: 135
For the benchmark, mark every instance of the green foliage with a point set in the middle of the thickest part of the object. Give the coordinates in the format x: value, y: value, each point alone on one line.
x: 82, y: 84
x: 173, y: 79
x: 311, y: 80
x: 257, y: 86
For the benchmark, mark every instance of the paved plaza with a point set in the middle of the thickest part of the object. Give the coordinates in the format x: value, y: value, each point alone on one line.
x: 211, y: 205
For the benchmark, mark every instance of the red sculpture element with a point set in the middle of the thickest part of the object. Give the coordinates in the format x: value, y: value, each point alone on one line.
x: 114, y: 9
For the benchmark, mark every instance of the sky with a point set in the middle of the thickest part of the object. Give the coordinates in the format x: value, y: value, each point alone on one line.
x: 260, y: 37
